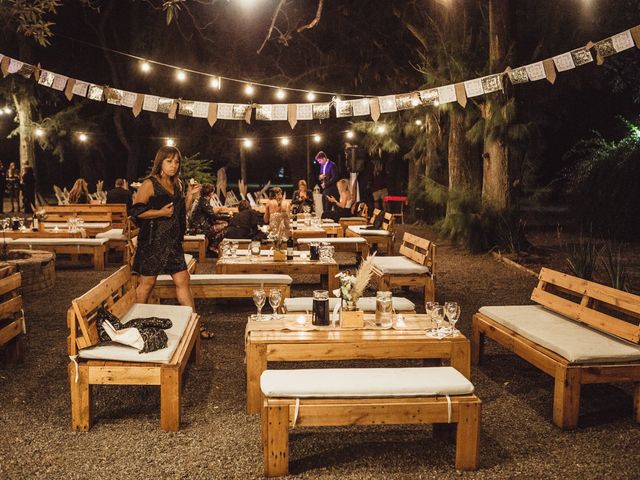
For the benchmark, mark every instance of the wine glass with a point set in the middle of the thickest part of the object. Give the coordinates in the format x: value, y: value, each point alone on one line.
x: 259, y: 298
x: 275, y: 296
x: 452, y: 310
x: 255, y: 250
x: 437, y: 315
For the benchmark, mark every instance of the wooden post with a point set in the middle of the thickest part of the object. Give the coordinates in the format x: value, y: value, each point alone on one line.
x: 256, y: 364
x: 275, y: 439
x: 477, y: 342
x: 566, y: 397
x: 98, y: 258
x: 468, y: 436
x: 170, y: 398
x: 81, y: 398
x: 429, y: 289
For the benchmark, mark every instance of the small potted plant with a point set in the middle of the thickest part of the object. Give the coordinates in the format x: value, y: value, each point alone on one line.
x: 279, y: 231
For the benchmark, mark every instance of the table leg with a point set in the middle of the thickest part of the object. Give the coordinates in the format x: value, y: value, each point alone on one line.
x: 332, y: 281
x: 256, y: 364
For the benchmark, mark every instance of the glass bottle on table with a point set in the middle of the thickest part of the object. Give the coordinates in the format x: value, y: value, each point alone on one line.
x: 290, y: 248
x: 320, y: 316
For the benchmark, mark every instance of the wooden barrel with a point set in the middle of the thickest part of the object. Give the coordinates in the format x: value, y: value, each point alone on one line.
x: 38, y: 269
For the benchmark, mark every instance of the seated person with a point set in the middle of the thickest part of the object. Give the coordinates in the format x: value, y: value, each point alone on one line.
x: 243, y: 224
x: 204, y: 220
x: 301, y: 197
x: 276, y: 206
x: 120, y: 194
x: 80, y: 192
x: 340, y: 208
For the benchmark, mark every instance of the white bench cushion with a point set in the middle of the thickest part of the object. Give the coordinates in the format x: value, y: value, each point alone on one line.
x: 193, y: 238
x: 399, y: 265
x: 113, y: 234
x: 360, y: 230
x: 60, y: 241
x: 230, y: 279
x: 347, y: 240
x: 574, y: 341
x: 366, y: 304
x: 178, y: 315
x: 353, y: 219
x: 364, y: 382
x: 85, y: 225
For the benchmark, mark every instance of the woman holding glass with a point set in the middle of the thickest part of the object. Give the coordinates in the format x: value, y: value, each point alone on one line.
x: 160, y: 211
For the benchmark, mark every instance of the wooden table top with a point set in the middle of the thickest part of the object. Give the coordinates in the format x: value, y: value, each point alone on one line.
x: 289, y: 329
x: 61, y: 233
x: 268, y: 260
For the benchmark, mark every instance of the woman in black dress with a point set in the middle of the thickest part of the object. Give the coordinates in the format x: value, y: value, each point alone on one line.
x: 160, y: 211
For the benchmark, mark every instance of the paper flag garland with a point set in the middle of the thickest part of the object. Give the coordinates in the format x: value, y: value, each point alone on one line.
x: 344, y: 108
x: 388, y: 104
x: 361, y: 107
x: 447, y: 94
x: 150, y: 103
x: 473, y: 88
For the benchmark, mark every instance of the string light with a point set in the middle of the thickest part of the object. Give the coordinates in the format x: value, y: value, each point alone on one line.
x: 145, y: 67
x: 38, y: 132
x: 181, y: 75
x: 215, y: 83
x: 247, y: 143
x: 317, y: 138
x: 281, y: 94
x: 311, y: 96
x: 7, y: 110
x: 350, y: 134
x: 249, y: 89
x: 380, y: 129
x: 83, y: 137
x: 285, y: 141
x: 436, y: 103
x: 418, y: 122
x: 170, y: 142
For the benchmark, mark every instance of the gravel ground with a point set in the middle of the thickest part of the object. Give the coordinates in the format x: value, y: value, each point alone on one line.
x: 219, y: 440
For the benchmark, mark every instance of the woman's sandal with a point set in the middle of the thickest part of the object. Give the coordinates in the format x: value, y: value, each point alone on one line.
x: 205, y: 334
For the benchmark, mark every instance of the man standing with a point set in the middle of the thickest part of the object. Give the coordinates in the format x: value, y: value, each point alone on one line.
x: 120, y: 194
x: 328, y: 178
x: 3, y: 186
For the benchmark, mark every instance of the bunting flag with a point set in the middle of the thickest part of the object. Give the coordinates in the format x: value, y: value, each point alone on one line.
x: 373, y: 106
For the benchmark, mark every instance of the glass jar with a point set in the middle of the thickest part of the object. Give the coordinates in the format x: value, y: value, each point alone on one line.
x: 384, y: 309
x: 314, y: 251
x: 320, y: 315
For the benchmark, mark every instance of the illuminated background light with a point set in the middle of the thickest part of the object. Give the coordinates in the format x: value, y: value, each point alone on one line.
x: 249, y: 89
x: 317, y: 138
x: 285, y: 141
x: 181, y: 75
x: 281, y: 94
x: 145, y: 67
x: 38, y: 132
x: 415, y: 102
x: 215, y: 83
x: 170, y: 142
x: 380, y: 129
x: 7, y: 110
x: 350, y: 134
x: 418, y: 122
x: 247, y: 143
x: 311, y: 96
x: 83, y: 137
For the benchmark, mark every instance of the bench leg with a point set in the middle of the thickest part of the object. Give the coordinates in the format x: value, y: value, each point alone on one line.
x: 477, y: 343
x: 256, y: 364
x: 566, y: 398
x: 202, y: 252
x: 636, y: 403
x: 13, y: 349
x: 468, y: 436
x: 81, y: 398
x: 170, y: 399
x: 460, y: 358
x: 429, y: 290
x: 98, y: 259
x: 275, y: 440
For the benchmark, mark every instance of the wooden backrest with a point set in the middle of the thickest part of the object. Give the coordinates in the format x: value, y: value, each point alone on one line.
x: 114, y: 213
x: 10, y: 298
x: 375, y: 213
x: 116, y: 293
x: 603, y: 308
x: 419, y: 250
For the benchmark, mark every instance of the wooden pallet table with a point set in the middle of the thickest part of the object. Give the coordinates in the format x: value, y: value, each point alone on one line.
x: 284, y: 340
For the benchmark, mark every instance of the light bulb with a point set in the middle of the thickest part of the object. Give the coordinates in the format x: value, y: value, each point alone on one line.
x: 317, y: 138
x: 83, y: 137
x: 247, y: 143
x: 249, y: 89
x: 418, y: 122
x: 170, y: 142
x: 215, y: 83
x: 350, y: 134
x: 181, y: 76
x: 311, y: 96
x: 145, y: 67
x: 281, y: 94
x: 285, y: 141
x: 8, y: 110
x: 38, y: 132
x: 381, y: 129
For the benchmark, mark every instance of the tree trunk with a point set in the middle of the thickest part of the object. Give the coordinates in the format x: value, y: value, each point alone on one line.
x: 496, y: 185
x: 27, y: 142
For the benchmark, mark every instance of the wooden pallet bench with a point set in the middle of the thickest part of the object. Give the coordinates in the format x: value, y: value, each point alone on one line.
x: 367, y: 396
x: 93, y: 363
x: 415, y: 266
x: 196, y: 243
x: 223, y: 285
x: 95, y: 248
x: 114, y: 213
x: 579, y: 332
x: 381, y: 239
x: 12, y: 323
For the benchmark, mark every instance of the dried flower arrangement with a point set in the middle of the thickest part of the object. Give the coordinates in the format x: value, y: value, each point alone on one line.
x: 353, y: 286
